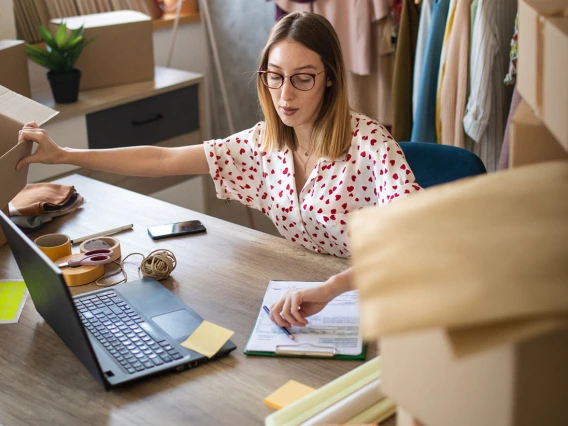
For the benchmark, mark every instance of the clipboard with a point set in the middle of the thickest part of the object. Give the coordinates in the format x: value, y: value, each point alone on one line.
x: 313, y: 351
x: 266, y: 340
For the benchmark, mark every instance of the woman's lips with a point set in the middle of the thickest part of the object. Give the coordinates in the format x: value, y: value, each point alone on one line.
x: 288, y: 111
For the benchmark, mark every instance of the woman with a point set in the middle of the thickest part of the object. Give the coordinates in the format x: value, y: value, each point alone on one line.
x: 310, y: 163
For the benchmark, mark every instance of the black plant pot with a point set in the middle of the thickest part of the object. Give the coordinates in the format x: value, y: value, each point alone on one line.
x: 65, y: 87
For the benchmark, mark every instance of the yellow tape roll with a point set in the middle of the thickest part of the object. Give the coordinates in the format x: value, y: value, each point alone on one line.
x: 80, y: 275
x: 102, y: 243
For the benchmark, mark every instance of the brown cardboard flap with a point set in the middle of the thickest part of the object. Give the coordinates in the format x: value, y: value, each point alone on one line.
x: 15, y: 111
x: 471, y: 253
x: 23, y: 110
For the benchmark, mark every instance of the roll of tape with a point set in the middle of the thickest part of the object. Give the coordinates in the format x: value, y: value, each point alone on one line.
x: 80, y: 275
x: 102, y: 243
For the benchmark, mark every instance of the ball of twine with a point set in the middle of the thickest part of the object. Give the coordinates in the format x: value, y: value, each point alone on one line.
x: 158, y: 265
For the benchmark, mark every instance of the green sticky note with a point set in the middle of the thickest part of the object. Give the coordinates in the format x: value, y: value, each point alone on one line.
x: 13, y: 295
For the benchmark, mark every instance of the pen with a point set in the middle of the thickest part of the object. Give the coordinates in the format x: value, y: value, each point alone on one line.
x: 101, y: 234
x: 290, y: 335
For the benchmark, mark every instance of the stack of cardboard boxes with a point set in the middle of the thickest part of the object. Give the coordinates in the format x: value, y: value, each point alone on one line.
x: 121, y: 53
x: 540, y: 125
x: 521, y: 383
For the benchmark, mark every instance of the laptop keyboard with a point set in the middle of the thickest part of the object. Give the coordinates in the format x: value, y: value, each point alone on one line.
x: 122, y: 332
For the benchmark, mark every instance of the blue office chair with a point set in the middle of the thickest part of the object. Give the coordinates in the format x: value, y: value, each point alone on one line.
x: 434, y: 164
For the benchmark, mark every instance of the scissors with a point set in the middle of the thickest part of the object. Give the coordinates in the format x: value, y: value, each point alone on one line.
x: 93, y: 257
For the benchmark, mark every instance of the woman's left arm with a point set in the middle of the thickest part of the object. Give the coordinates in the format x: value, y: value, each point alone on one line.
x: 297, y: 305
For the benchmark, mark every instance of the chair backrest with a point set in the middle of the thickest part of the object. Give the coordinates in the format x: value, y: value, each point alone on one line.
x: 434, y: 164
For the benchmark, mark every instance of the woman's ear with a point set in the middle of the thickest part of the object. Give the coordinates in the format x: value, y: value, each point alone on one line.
x: 329, y: 83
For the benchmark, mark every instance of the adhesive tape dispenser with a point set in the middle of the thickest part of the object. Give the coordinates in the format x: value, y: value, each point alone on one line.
x: 102, y: 243
x: 86, y: 273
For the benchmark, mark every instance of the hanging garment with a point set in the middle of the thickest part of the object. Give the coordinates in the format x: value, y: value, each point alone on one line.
x: 504, y: 157
x: 489, y: 100
x: 285, y: 6
x: 424, y: 128
x: 371, y: 94
x: 441, y: 72
x: 469, y: 142
x: 454, y: 83
x: 423, y: 30
x: 511, y: 77
x: 403, y: 67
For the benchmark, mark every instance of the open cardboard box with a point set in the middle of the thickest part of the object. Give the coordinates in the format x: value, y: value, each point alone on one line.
x: 555, y: 90
x: 15, y: 111
x: 14, y: 73
x: 122, y: 52
x: 543, y: 58
x: 531, y: 141
x: 521, y: 384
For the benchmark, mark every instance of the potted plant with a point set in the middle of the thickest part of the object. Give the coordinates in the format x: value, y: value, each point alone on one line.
x: 59, y: 58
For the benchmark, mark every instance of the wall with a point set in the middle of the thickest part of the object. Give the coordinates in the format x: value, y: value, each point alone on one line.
x: 241, y: 28
x: 7, y: 24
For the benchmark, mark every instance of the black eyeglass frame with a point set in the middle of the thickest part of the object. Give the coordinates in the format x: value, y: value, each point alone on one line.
x: 289, y: 77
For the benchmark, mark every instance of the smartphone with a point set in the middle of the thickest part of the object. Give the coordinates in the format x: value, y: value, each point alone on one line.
x: 175, y: 229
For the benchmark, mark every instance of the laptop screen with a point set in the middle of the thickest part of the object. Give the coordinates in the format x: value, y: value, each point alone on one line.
x: 51, y: 296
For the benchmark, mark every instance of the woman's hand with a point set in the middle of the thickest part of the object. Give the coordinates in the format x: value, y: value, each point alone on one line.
x: 48, y: 152
x: 296, y: 305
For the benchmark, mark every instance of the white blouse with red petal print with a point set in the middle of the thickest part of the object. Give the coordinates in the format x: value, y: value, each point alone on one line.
x: 374, y: 171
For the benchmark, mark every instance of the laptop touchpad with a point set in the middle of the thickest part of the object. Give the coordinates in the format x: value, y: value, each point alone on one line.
x: 178, y: 324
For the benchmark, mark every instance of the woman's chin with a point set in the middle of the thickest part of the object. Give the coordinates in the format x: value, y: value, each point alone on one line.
x: 288, y: 121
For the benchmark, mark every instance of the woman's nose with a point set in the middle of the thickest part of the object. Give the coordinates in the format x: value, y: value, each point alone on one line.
x: 287, y: 90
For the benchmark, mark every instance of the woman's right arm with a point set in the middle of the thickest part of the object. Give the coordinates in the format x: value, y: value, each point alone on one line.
x: 147, y: 161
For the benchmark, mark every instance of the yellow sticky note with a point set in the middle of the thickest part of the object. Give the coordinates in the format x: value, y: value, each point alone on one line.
x: 287, y: 394
x: 13, y: 295
x: 208, y: 338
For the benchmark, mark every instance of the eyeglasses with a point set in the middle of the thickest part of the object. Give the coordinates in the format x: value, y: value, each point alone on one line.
x: 301, y: 81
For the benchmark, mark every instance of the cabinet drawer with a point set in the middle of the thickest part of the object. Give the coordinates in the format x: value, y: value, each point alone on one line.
x: 146, y: 121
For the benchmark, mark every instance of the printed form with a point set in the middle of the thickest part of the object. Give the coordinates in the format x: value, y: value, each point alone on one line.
x: 334, y: 330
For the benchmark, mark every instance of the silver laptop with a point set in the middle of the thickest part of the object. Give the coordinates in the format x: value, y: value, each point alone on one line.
x: 121, y: 333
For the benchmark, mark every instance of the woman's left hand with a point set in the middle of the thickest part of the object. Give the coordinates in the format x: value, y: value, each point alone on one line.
x: 297, y: 305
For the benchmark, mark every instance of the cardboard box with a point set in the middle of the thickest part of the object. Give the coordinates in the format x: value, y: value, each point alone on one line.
x: 555, y: 83
x: 15, y: 111
x: 404, y: 418
x: 122, y: 53
x: 531, y: 141
x: 14, y: 73
x: 532, y: 18
x: 518, y: 384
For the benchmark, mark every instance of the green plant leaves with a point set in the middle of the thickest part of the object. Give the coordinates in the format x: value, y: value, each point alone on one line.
x: 62, y: 50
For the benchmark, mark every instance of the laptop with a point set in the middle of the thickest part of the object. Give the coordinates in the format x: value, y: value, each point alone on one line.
x: 122, y: 333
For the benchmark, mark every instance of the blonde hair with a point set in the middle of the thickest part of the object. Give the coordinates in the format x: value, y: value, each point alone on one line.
x: 331, y: 134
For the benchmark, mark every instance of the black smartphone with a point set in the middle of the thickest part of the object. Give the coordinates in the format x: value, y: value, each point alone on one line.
x: 175, y: 229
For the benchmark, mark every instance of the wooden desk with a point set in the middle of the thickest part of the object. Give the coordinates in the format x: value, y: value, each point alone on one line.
x: 221, y: 274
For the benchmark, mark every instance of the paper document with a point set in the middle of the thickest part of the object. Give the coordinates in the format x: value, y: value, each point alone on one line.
x: 333, y: 331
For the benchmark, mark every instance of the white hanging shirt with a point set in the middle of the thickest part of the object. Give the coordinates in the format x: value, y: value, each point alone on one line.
x: 374, y: 171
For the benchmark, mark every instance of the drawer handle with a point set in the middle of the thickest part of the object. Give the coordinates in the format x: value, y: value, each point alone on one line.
x: 157, y: 117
